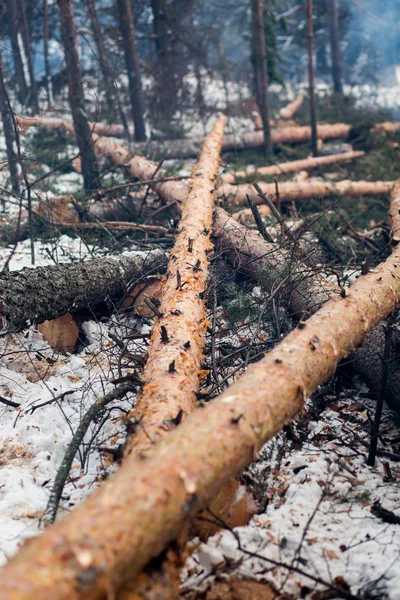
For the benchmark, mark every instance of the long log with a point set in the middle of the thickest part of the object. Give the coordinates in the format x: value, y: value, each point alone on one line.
x: 305, y: 291
x: 236, y: 195
x: 107, y: 129
x: 36, y: 295
x: 172, y: 371
x: 175, y: 354
x: 293, y: 166
x: 131, y: 518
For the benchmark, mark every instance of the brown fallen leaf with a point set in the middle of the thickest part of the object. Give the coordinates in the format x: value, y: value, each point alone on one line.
x: 62, y: 333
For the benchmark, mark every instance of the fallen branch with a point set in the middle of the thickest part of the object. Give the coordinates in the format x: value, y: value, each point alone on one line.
x: 292, y: 167
x: 131, y: 518
x: 236, y: 195
x: 63, y: 471
x: 119, y: 226
x: 45, y: 293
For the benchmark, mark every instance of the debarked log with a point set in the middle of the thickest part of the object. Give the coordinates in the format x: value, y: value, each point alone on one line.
x: 236, y: 195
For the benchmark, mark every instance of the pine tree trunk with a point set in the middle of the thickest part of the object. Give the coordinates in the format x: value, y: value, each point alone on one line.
x: 164, y: 72
x: 311, y: 83
x: 294, y: 166
x: 261, y: 67
x: 132, y: 64
x: 76, y: 95
x: 13, y: 26
x: 49, y: 87
x: 45, y: 293
x: 236, y: 195
x: 335, y: 45
x: 138, y: 510
x: 24, y: 28
x: 9, y: 132
x: 104, y: 63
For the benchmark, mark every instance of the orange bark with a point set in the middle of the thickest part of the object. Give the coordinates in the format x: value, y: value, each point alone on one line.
x: 304, y: 190
x: 171, y: 374
x: 285, y: 135
x: 394, y: 213
x: 110, y: 537
x: 56, y: 123
x: 294, y: 166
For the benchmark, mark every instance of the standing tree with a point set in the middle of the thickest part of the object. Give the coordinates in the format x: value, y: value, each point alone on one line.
x: 261, y: 71
x: 333, y: 10
x: 127, y: 27
x: 48, y: 83
x: 24, y: 30
x: 9, y: 132
x: 104, y: 63
x: 12, y: 22
x: 313, y: 102
x: 76, y: 96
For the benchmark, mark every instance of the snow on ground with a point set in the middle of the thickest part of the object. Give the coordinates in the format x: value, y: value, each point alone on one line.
x: 318, y: 519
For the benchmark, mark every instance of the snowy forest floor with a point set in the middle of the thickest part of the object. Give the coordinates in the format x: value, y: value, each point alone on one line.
x: 328, y: 525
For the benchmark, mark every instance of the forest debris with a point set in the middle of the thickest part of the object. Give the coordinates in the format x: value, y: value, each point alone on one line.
x: 394, y: 213
x: 236, y: 195
x: 140, y: 508
x: 46, y: 293
x: 293, y: 166
x: 61, y: 333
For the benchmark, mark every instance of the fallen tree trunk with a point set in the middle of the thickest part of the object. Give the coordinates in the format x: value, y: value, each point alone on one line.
x: 45, y: 293
x: 171, y: 374
x: 288, y: 111
x: 131, y: 518
x: 394, y: 213
x: 172, y: 371
x: 106, y: 129
x: 293, y: 166
x: 304, y: 290
x: 236, y: 195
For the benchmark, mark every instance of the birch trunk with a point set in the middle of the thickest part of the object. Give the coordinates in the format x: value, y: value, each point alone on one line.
x: 131, y: 518
x: 236, y: 195
x: 293, y: 166
x: 12, y: 22
x: 45, y: 293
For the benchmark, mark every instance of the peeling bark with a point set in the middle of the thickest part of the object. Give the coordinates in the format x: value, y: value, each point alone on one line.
x: 45, y: 293
x: 131, y: 518
x: 236, y: 195
x: 293, y: 166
